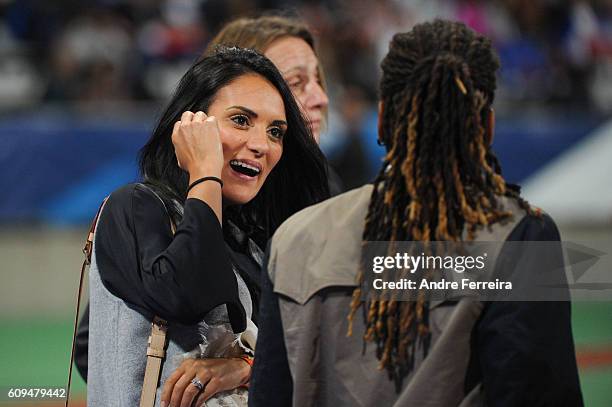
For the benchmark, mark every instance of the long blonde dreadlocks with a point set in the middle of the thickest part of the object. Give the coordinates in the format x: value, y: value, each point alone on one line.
x: 440, y: 176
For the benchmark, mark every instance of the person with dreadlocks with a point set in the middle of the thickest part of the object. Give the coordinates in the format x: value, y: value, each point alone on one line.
x: 440, y: 181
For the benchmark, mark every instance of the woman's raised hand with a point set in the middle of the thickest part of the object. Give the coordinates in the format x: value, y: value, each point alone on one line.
x: 216, y: 375
x: 197, y: 144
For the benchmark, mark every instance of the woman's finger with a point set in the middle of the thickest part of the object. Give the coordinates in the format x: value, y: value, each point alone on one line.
x: 199, y: 401
x: 179, y: 389
x: 199, y: 116
x: 176, y: 127
x: 211, y: 122
x: 169, y: 384
x: 210, y: 390
x: 175, y: 131
x: 191, y: 392
x: 186, y: 117
x: 174, y: 137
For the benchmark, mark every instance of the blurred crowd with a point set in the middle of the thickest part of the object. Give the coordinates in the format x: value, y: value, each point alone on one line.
x: 125, y: 54
x: 553, y: 51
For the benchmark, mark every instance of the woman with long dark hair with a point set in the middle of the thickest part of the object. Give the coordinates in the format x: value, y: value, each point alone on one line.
x: 230, y: 159
x: 290, y: 45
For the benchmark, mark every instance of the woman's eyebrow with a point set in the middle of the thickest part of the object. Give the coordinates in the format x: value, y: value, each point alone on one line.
x: 295, y: 69
x: 279, y: 123
x: 244, y: 109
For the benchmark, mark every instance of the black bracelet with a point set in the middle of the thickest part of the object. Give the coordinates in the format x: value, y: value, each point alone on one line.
x: 200, y: 180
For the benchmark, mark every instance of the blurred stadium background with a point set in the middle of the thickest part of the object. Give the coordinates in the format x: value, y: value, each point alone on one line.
x: 81, y: 84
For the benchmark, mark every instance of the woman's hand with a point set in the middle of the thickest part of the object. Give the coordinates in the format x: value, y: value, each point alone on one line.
x: 215, y: 374
x: 197, y: 144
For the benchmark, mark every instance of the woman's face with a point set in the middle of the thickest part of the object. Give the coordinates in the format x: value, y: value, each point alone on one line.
x: 251, y: 116
x: 299, y: 66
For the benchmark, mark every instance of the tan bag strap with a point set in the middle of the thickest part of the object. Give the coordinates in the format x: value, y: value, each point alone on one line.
x: 156, y: 351
x: 155, y: 356
x: 86, y: 262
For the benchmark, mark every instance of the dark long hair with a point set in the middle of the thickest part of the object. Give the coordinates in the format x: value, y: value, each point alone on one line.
x: 299, y: 178
x: 440, y: 175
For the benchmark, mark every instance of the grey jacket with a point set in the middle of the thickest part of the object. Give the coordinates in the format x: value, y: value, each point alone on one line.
x: 319, y: 248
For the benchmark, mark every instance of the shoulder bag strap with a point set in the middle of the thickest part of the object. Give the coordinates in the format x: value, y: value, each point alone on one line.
x: 155, y: 356
x: 156, y: 351
x: 86, y: 262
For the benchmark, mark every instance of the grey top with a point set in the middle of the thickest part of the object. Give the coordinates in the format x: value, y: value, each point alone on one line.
x: 118, y: 342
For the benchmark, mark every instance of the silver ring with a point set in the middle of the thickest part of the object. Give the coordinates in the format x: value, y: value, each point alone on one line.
x: 197, y: 383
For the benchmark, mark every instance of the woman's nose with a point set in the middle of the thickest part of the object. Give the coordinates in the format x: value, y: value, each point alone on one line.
x: 258, y: 141
x: 317, y: 98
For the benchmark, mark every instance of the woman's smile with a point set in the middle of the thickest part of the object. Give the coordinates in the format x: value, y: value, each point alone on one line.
x: 247, y: 170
